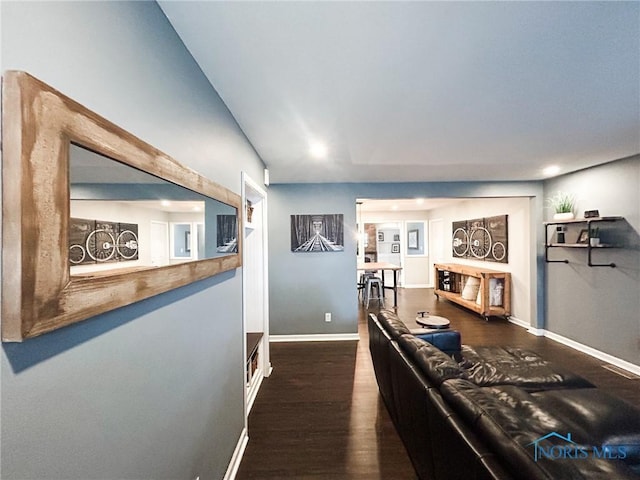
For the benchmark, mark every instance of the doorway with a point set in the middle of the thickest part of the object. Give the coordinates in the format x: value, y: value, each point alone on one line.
x: 436, y: 246
x: 255, y: 288
x: 159, y: 244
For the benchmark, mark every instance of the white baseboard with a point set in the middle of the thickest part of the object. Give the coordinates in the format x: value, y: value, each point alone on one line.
x: 605, y: 357
x: 517, y: 321
x: 538, y: 332
x: 417, y: 285
x: 236, y: 458
x: 253, y: 390
x: 320, y: 337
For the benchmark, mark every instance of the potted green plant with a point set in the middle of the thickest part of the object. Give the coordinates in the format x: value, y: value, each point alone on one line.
x: 563, y: 205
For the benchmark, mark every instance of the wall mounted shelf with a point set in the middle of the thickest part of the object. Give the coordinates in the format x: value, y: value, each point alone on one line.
x: 587, y: 233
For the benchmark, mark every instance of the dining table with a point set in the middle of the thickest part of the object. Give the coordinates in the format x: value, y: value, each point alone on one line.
x: 384, y: 266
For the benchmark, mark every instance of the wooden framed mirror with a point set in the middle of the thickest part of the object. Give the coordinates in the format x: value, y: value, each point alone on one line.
x: 86, y: 209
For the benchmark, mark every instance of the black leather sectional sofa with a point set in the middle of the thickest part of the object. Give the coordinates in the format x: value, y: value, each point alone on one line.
x: 497, y: 412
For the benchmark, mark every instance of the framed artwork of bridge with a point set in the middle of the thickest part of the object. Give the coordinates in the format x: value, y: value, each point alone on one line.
x: 317, y: 233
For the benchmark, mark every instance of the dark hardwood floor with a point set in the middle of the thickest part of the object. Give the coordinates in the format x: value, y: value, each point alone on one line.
x: 319, y: 414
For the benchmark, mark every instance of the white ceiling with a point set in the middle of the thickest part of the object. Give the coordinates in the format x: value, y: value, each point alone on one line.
x: 423, y: 91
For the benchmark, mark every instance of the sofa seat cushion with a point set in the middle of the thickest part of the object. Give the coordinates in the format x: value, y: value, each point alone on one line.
x: 392, y: 324
x: 515, y: 425
x: 496, y: 365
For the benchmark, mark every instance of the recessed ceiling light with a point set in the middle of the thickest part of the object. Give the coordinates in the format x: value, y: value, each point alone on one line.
x: 165, y: 203
x: 394, y: 207
x: 318, y: 150
x: 551, y: 170
x: 419, y: 201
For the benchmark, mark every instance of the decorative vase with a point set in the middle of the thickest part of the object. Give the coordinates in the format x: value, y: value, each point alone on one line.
x: 594, y: 241
x: 563, y: 216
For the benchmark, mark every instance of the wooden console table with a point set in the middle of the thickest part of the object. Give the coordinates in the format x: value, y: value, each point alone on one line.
x: 450, y: 279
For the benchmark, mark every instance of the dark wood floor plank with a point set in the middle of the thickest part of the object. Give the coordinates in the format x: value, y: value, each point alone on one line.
x: 320, y: 416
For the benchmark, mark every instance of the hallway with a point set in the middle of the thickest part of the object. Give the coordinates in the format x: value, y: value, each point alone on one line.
x: 319, y: 416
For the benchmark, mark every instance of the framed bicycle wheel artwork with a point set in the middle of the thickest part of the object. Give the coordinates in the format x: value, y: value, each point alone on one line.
x: 93, y: 241
x: 483, y: 239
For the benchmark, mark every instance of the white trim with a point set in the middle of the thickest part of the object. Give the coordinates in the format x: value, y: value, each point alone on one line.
x: 252, y: 391
x: 605, y: 357
x: 517, y: 321
x: 538, y: 332
x: 236, y: 458
x: 320, y: 337
x: 265, y: 368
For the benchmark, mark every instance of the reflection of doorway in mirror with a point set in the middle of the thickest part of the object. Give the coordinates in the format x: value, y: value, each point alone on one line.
x: 159, y: 244
x: 181, y: 241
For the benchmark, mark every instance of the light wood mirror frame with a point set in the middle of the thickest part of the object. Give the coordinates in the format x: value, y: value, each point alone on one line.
x: 38, y: 292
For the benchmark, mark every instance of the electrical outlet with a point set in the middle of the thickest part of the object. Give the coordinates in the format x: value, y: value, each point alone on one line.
x: 327, y: 317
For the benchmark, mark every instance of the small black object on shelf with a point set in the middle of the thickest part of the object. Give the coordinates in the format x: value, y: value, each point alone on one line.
x: 591, y: 213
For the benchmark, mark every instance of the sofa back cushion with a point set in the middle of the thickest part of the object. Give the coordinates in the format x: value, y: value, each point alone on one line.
x: 392, y: 324
x: 604, y: 420
x: 436, y: 365
x: 515, y: 425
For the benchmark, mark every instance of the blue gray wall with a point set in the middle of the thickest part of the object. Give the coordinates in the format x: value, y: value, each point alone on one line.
x: 600, y: 307
x: 304, y: 286
x: 153, y: 390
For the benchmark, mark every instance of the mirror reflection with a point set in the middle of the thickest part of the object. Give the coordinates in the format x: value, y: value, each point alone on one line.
x: 122, y: 217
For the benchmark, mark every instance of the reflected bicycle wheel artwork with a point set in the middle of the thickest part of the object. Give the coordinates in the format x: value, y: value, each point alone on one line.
x: 483, y: 239
x: 93, y: 241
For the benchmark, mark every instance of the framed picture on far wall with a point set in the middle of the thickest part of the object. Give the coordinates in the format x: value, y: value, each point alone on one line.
x: 412, y: 239
x: 317, y: 233
x: 395, y: 248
